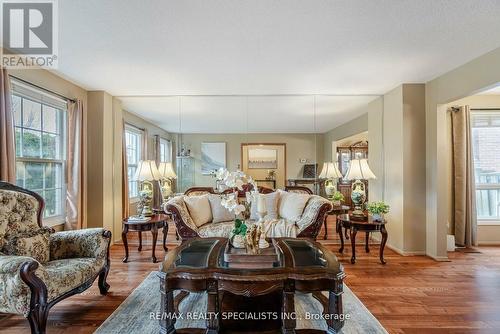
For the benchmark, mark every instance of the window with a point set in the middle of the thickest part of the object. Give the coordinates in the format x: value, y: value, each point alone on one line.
x: 133, y: 140
x: 40, y: 136
x: 486, y: 150
x: 165, y: 150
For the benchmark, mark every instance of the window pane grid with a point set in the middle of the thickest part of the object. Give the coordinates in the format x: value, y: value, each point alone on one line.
x: 133, y: 141
x: 39, y: 151
x: 485, y: 128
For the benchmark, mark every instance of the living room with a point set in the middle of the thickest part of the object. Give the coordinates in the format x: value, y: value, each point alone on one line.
x: 257, y: 139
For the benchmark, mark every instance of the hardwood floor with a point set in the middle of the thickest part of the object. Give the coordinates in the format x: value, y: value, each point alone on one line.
x: 411, y: 294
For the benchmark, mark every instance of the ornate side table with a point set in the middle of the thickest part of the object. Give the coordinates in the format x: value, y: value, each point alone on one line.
x: 366, y: 225
x: 157, y: 221
x: 337, y: 210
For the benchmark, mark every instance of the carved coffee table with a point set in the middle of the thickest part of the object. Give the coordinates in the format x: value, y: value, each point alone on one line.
x: 303, y: 265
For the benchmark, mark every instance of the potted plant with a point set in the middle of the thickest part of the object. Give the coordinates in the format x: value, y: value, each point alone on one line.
x: 337, y: 198
x: 377, y: 209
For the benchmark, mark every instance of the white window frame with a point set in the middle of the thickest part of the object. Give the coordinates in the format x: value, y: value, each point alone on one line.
x: 165, y: 150
x: 26, y: 92
x: 486, y: 186
x: 139, y: 154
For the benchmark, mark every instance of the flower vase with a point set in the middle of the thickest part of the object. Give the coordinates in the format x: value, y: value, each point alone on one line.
x: 237, y: 241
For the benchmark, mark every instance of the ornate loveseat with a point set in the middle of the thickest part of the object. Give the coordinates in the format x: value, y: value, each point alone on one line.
x: 61, y: 264
x: 307, y: 225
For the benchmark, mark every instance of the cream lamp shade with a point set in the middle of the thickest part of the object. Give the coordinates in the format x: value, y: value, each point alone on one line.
x: 330, y: 170
x: 359, y: 170
x: 146, y: 171
x: 166, y: 170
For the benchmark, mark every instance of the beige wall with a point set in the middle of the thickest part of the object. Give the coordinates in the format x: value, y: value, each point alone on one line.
x: 393, y: 158
x: 104, y: 200
x: 376, y: 148
x: 151, y: 131
x: 298, y: 146
x: 478, y: 74
x: 414, y: 168
x: 486, y: 234
x: 353, y: 127
x: 397, y: 157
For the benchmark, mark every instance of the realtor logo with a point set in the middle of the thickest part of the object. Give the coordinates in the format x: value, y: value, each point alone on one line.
x: 29, y: 33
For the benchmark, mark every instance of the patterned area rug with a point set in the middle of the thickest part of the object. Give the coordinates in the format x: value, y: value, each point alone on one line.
x: 137, y: 314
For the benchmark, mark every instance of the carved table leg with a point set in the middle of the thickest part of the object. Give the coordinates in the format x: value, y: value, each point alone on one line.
x: 341, y: 235
x: 140, y: 241
x: 125, y: 243
x: 382, y: 244
x: 367, y: 239
x: 353, y: 244
x: 154, y: 231
x: 212, y: 308
x: 289, y: 322
x: 334, y: 308
x: 326, y: 228
x: 165, y: 232
x: 346, y: 235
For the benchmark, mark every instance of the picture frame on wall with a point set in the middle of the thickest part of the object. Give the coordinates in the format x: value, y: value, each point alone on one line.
x: 213, y: 157
x: 262, y: 158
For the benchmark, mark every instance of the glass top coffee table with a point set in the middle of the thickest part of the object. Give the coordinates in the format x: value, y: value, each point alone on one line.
x: 302, y: 265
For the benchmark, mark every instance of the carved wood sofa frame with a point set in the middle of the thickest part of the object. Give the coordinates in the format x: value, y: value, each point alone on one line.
x: 312, y: 231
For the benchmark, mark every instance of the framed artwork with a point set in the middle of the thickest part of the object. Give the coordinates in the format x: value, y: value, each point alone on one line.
x: 310, y: 171
x: 262, y: 158
x: 213, y: 157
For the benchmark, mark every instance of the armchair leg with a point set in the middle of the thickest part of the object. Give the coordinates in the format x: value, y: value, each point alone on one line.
x: 38, y: 319
x: 103, y: 285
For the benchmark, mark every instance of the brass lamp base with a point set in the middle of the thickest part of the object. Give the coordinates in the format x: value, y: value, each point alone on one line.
x: 147, y: 211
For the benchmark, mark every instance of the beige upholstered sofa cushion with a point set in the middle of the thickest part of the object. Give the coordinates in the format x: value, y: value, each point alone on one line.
x: 272, y: 200
x: 199, y: 209
x: 291, y: 205
x: 219, y: 213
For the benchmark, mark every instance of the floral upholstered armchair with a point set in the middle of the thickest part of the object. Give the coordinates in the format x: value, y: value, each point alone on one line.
x: 38, y: 267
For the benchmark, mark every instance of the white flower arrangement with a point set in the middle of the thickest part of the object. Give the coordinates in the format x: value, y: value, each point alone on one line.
x: 236, y: 179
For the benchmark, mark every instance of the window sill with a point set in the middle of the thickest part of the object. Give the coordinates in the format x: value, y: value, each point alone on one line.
x: 488, y: 223
x: 51, y: 222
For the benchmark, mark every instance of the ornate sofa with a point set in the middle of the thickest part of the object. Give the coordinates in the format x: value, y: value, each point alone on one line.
x: 38, y: 267
x: 308, y: 225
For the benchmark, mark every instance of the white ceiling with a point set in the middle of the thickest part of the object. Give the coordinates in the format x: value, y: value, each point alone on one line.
x: 228, y: 47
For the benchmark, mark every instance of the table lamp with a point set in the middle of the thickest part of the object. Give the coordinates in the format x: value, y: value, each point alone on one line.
x: 167, y: 175
x: 359, y: 170
x: 329, y: 172
x: 145, y: 173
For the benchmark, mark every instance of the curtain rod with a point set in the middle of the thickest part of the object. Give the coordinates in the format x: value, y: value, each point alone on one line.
x: 42, y: 88
x: 486, y: 109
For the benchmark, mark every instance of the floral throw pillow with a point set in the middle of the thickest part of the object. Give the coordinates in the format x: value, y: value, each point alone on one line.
x: 34, y: 244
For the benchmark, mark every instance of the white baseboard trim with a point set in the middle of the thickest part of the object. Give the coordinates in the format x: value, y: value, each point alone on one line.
x: 405, y: 253
x: 439, y: 258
